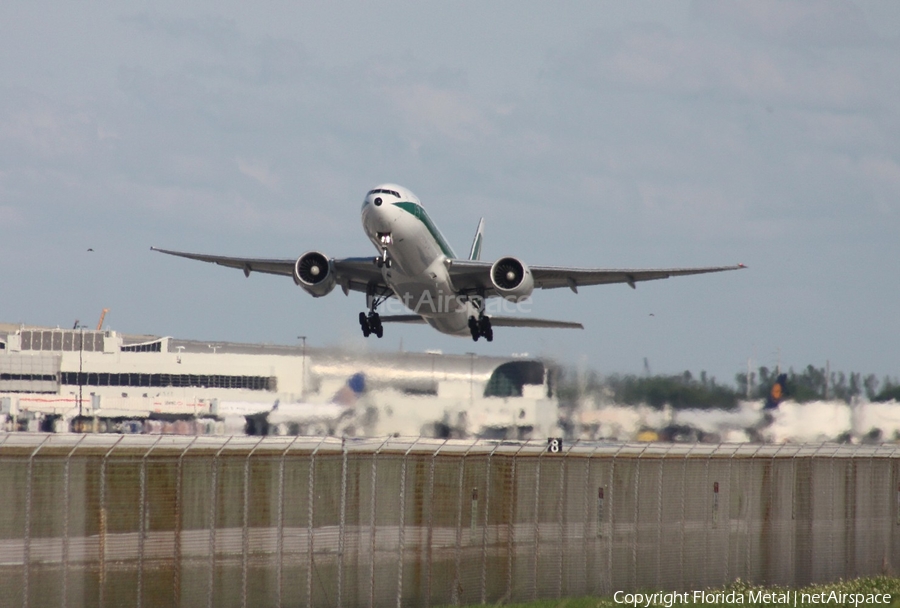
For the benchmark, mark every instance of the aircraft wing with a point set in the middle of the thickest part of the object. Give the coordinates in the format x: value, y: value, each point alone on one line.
x: 248, y: 265
x: 354, y: 274
x: 537, y: 323
x: 473, y: 276
x: 495, y: 321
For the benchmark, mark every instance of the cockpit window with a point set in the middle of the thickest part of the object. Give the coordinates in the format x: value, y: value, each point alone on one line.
x: 381, y: 191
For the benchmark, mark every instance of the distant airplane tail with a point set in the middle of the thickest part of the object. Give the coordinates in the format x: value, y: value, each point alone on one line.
x: 350, y: 392
x: 777, y: 393
x: 475, y: 252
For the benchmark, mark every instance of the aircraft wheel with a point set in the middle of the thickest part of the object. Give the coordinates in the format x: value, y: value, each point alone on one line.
x: 484, y: 328
x: 374, y: 323
x: 474, y: 329
x: 364, y: 324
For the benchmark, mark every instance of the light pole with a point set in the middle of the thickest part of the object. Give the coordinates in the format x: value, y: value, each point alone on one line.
x: 303, y: 373
x: 471, y: 378
x: 80, y: 371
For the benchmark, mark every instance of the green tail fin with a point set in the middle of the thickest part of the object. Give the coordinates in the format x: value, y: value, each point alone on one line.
x: 475, y: 253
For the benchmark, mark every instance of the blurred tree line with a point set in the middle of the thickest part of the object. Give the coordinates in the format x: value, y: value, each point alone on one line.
x: 682, y: 391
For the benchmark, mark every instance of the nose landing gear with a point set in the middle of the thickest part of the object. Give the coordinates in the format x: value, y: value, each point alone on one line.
x: 384, y: 260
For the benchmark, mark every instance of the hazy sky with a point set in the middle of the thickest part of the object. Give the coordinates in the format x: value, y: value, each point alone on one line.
x: 604, y: 134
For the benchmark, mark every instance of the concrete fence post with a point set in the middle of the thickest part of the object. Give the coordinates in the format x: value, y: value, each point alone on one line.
x: 279, y: 537
x: 588, y: 494
x: 142, y: 523
x: 727, y: 512
x: 484, y: 530
x: 610, y: 538
x: 430, y: 525
x: 342, y: 521
x: 511, y: 522
x: 536, y: 533
x: 373, y: 529
x: 684, y: 469
x: 637, y: 513
x: 179, y: 509
x: 401, y: 545
x: 103, y: 522
x: 310, y: 522
x: 659, y: 525
x: 749, y: 526
x: 213, y: 515
x: 66, y: 507
x: 710, y: 515
x: 26, y: 541
x: 561, y: 519
x: 457, y: 583
x: 245, y: 524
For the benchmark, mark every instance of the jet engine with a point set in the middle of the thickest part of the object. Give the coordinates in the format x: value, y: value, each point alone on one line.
x: 512, y: 279
x: 313, y: 272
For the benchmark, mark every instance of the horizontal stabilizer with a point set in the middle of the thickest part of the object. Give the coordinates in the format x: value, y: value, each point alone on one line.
x: 529, y: 322
x: 401, y: 319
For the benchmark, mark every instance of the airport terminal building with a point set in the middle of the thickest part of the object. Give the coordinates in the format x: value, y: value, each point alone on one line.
x: 54, y: 379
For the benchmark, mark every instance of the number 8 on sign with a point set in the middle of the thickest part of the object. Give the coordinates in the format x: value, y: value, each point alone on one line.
x: 554, y: 445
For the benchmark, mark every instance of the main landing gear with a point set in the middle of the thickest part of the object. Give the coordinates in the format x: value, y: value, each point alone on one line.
x: 481, y: 328
x: 371, y: 323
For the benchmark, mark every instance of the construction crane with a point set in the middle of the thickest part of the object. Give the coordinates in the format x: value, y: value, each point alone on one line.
x: 102, y: 316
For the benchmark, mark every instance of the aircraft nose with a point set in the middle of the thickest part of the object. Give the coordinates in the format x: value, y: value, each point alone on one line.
x: 378, y: 216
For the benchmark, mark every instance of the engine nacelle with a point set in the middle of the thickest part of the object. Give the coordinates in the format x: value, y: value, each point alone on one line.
x: 314, y: 273
x: 512, y: 279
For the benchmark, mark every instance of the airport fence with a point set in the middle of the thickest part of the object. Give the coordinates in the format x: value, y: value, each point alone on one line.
x: 104, y: 520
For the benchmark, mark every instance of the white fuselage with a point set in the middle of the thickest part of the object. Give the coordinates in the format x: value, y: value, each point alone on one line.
x: 418, y: 252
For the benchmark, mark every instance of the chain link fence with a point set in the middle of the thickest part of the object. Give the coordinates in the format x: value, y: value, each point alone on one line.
x: 99, y: 520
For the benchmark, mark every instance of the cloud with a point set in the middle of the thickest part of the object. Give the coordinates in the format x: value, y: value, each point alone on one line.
x: 218, y: 32
x: 10, y: 217
x: 214, y: 48
x: 35, y: 127
x: 648, y: 58
x: 259, y: 171
x: 428, y: 111
x: 796, y: 23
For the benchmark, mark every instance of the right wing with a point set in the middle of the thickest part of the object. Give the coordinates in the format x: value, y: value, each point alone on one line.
x: 352, y: 274
x: 475, y: 276
x: 537, y: 323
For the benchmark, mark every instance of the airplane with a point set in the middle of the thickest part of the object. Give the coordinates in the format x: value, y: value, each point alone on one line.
x: 416, y: 265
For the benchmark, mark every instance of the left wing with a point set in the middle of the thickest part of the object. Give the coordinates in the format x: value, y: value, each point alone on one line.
x: 474, y: 276
x: 356, y: 274
x: 248, y: 265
